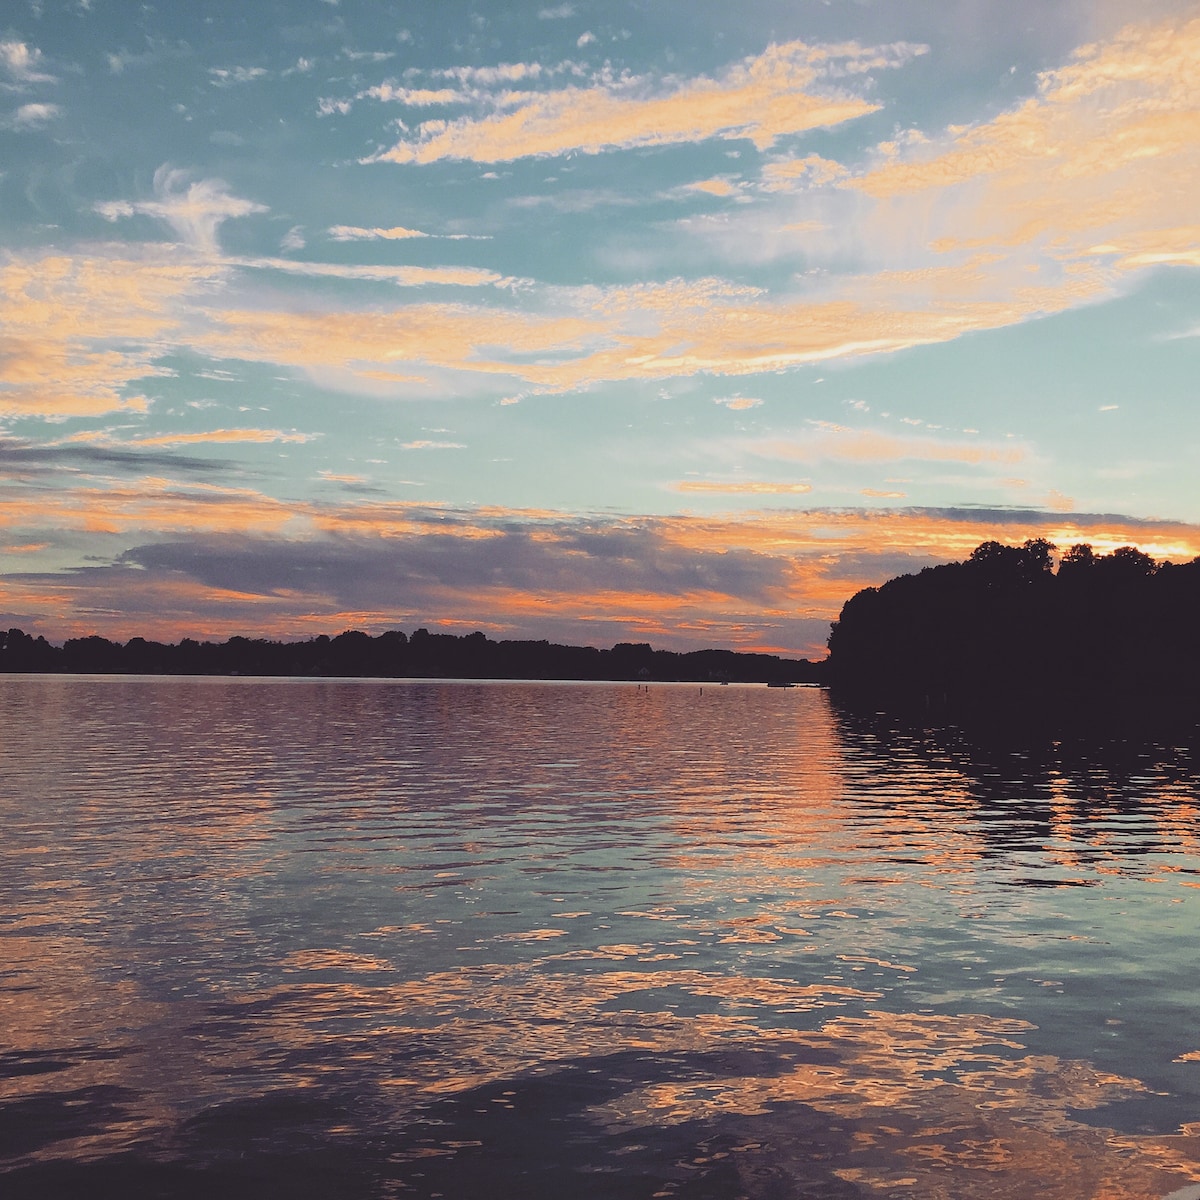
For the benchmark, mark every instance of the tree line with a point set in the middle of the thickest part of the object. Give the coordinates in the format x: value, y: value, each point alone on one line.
x: 394, y: 654
x: 1005, y: 626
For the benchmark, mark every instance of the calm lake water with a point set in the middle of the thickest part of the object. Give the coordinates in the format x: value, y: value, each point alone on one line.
x: 358, y: 938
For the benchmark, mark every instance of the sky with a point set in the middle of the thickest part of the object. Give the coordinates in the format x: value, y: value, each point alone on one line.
x: 642, y: 320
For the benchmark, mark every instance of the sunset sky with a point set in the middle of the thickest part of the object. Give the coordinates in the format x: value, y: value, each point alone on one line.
x: 655, y: 320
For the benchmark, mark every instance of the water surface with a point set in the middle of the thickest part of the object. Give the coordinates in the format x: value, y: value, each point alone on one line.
x: 365, y: 938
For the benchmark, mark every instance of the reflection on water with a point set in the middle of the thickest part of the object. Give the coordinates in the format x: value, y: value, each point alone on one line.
x: 448, y: 939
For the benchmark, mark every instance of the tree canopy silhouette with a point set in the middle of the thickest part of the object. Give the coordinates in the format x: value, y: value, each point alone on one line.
x: 394, y: 654
x: 1004, y: 626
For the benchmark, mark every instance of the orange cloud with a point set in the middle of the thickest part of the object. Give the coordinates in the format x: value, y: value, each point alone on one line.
x: 660, y: 338
x: 403, y: 276
x: 354, y: 233
x: 155, y: 507
x: 455, y: 336
x: 784, y: 174
x: 650, y: 332
x: 77, y: 332
x: 224, y: 435
x: 761, y: 98
x: 1103, y: 162
x: 713, y: 187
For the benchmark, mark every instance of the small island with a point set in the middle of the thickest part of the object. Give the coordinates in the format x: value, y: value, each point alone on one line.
x: 1006, y: 631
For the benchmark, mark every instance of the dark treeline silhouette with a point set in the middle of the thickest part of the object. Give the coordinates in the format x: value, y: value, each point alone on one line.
x: 395, y: 655
x: 1004, y: 628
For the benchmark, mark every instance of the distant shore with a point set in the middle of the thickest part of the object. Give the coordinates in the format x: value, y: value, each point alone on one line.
x: 396, y: 655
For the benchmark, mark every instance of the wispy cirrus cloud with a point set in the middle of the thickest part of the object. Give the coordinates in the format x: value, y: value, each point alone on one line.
x: 391, y: 93
x: 359, y: 233
x: 1100, y: 165
x: 573, y: 339
x: 223, y: 436
x: 356, y: 233
x: 80, y: 331
x: 741, y: 487
x: 24, y: 459
x: 781, y: 92
x: 402, y: 276
x: 231, y: 76
x: 194, y: 209
x: 835, y: 443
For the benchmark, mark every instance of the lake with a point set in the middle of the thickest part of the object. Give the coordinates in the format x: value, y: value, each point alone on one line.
x: 449, y: 939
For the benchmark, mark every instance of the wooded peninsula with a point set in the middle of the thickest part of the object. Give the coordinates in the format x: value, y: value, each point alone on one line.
x: 1005, y: 629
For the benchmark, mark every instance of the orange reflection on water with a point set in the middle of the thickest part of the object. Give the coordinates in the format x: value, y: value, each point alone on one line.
x: 708, y: 907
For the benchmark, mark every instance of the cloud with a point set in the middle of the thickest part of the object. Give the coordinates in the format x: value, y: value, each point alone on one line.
x: 743, y: 339
x: 233, y: 561
x: 811, y: 170
x: 1035, y: 212
x: 414, y: 97
x: 713, y: 187
x: 30, y: 116
x: 224, y: 436
x: 149, y: 503
x: 228, y: 77
x: 1099, y: 166
x: 502, y: 73
x: 737, y: 403
x: 79, y: 332
x: 22, y: 63
x: 421, y: 444
x: 371, y: 56
x: 22, y: 459
x: 576, y: 561
x: 742, y: 488
x: 355, y: 233
x: 445, y: 335
x: 578, y: 337
x: 194, y: 210
x: 560, y: 12
x: 763, y: 98
x: 401, y: 276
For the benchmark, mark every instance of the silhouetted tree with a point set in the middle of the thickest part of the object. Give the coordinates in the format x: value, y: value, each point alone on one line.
x: 1078, y: 560
x: 1002, y: 625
